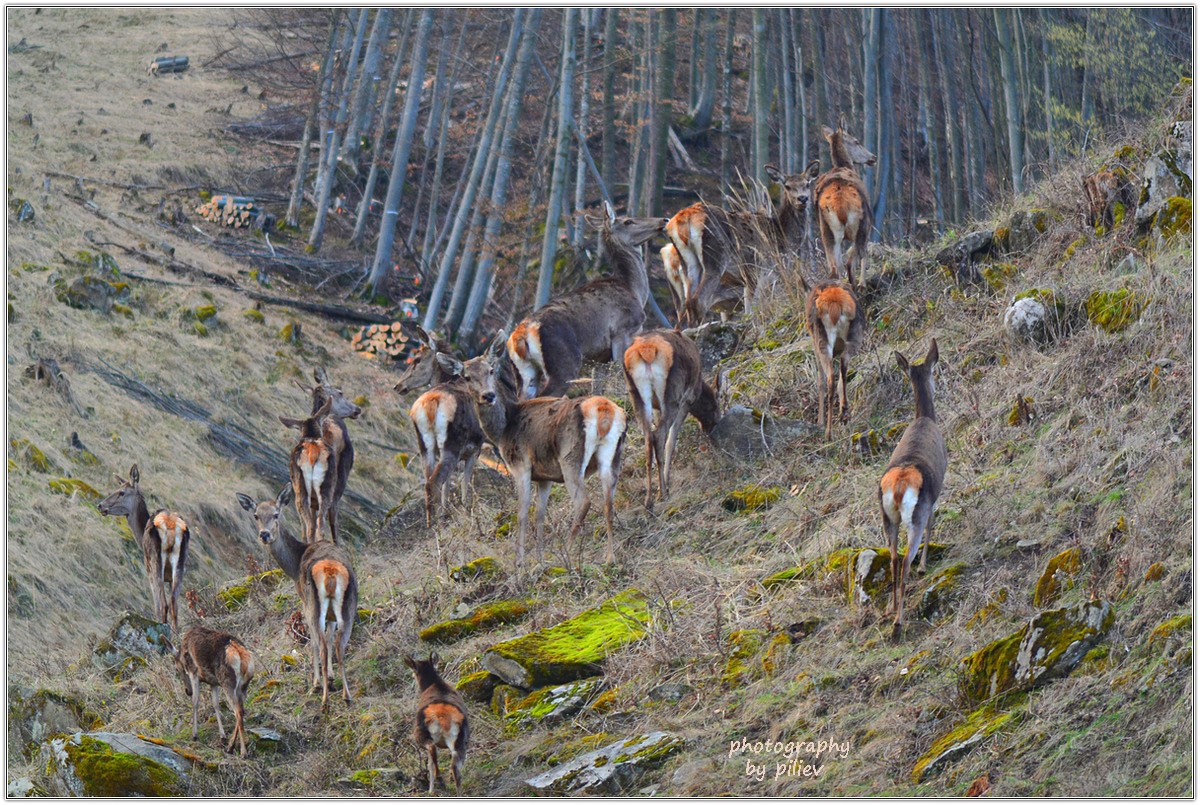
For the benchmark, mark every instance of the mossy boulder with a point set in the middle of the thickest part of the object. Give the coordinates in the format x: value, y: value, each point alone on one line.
x: 1155, y: 572
x: 868, y: 571
x: 496, y: 613
x: 505, y: 697
x: 30, y: 454
x: 716, y: 340
x: 485, y: 567
x: 979, y: 726
x: 234, y: 594
x: 751, y: 497
x: 90, y: 292
x: 573, y: 649
x: 553, y: 704
x: 132, y: 639
x: 742, y: 646
x: 1058, y: 577
x: 612, y: 769
x: 35, y: 715
x: 997, y: 275
x: 1036, y: 315
x: 388, y: 780
x: 1047, y: 647
x: 943, y: 590
x: 105, y: 764
x: 1023, y: 230
x: 73, y: 486
x: 1179, y: 627
x: 783, y: 579
x: 747, y: 434
x: 1113, y: 311
x: 1174, y: 219
x: 477, y: 687
x: 1166, y: 175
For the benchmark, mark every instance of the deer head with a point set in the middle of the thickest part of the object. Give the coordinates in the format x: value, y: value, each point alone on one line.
x: 846, y: 148
x: 422, y: 364
x: 480, y: 372
x: 268, y: 514
x: 325, y: 390
x: 627, y: 231
x: 796, y: 188
x: 124, y: 500
x: 920, y: 374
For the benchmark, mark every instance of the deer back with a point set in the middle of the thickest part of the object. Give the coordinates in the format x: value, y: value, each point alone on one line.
x: 332, y: 563
x: 217, y: 658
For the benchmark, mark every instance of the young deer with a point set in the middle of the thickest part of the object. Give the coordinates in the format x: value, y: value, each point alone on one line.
x: 844, y: 206
x: 221, y: 661
x: 441, y: 720
x: 725, y: 253
x: 336, y: 438
x: 678, y: 279
x: 596, y: 321
x: 164, y: 538
x: 836, y: 324
x: 449, y: 433
x: 913, y: 480
x: 663, y: 374
x: 313, y: 472
x: 548, y: 440
x: 325, y: 582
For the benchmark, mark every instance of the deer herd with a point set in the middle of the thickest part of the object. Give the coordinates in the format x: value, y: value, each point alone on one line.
x: 513, y: 396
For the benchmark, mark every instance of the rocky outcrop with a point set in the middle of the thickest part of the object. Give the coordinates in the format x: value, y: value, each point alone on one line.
x: 550, y: 705
x: 1058, y: 576
x: 496, y: 613
x: 612, y: 769
x: 131, y: 641
x: 746, y: 434
x: 716, y: 340
x: 33, y: 716
x: 106, y: 764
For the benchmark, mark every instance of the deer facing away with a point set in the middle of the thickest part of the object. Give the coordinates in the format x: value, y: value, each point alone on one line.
x: 912, y: 482
x: 164, y: 537
x: 221, y: 661
x: 836, y: 324
x: 336, y: 439
x: 441, y: 720
x: 844, y: 206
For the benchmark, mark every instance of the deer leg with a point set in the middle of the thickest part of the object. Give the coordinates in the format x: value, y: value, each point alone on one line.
x: 650, y: 466
x: 332, y: 516
x: 433, y: 769
x: 340, y: 647
x: 195, y: 681
x: 456, y: 762
x: 831, y: 248
x: 429, y: 475
x: 239, y: 716
x: 216, y: 703
x: 468, y: 480
x: 925, y: 543
x: 665, y: 455
x: 522, y: 477
x: 891, y: 532
x: 823, y: 378
x: 916, y: 533
x: 845, y: 402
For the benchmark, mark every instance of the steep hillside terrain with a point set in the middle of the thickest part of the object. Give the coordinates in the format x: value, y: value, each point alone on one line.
x: 1068, y: 496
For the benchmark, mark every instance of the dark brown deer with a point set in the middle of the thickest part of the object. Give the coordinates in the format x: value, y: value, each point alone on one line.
x: 836, y: 324
x: 596, y: 321
x: 423, y: 368
x: 912, y: 482
x: 164, y: 538
x: 336, y: 437
x: 844, y: 206
x: 325, y: 582
x: 441, y: 720
x: 221, y: 661
x: 725, y: 253
x: 548, y: 440
x: 663, y: 374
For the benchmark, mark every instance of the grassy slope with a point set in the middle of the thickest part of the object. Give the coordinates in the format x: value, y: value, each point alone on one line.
x: 1104, y: 446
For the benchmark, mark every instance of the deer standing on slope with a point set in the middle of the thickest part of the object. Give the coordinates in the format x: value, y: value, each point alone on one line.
x: 596, y: 321
x: 325, y: 582
x: 679, y: 281
x: 836, y: 324
x: 164, y: 538
x: 548, y: 440
x: 725, y: 253
x: 336, y: 438
x: 912, y: 482
x: 844, y: 206
x: 441, y: 720
x: 221, y: 661
x: 663, y: 374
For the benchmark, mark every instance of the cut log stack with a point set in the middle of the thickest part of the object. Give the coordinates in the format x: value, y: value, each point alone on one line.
x: 236, y: 211
x: 383, y: 340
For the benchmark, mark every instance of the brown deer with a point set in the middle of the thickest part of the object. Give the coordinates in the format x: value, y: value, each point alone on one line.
x: 836, y: 324
x: 844, y: 206
x: 547, y: 440
x: 423, y: 368
x: 325, y: 582
x: 441, y: 720
x: 596, y: 321
x: 164, y: 537
x: 678, y: 279
x: 337, y: 440
x: 663, y: 374
x: 221, y: 661
x: 726, y: 252
x: 912, y: 482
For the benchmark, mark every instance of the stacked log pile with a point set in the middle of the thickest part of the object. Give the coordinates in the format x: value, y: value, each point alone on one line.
x: 236, y: 211
x: 379, y: 340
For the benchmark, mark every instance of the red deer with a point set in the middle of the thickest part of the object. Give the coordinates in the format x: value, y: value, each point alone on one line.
x: 219, y: 660
x: 548, y: 440
x: 423, y: 368
x: 726, y: 253
x: 663, y: 374
x: 836, y: 324
x: 844, y: 206
x: 325, y: 582
x: 337, y: 440
x: 164, y: 538
x: 678, y: 279
x: 596, y: 321
x: 441, y: 720
x: 912, y: 482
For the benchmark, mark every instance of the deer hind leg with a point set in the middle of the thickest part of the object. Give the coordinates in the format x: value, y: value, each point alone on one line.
x: 928, y: 537
x: 239, y: 719
x: 434, y: 776
x: 340, y: 647
x: 467, y: 490
x: 216, y: 703
x: 891, y: 533
x: 194, y: 679
x: 666, y: 455
x: 824, y: 377
x: 580, y: 503
x: 456, y: 763
x: 522, y: 477
x: 651, y: 437
x: 845, y: 403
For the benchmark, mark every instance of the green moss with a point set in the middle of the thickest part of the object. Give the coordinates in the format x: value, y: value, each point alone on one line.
x: 1113, y: 311
x: 365, y: 777
x: 1000, y: 237
x: 124, y: 310
x: 787, y: 577
x: 204, y: 312
x: 72, y: 486
x: 562, y: 752
x: 254, y: 315
x: 998, y: 274
x: 485, y: 567
x: 777, y: 647
x: 836, y: 561
x: 1074, y: 247
x: 234, y: 596
x: 494, y: 614
x: 1016, y: 415
x: 290, y: 333
x: 477, y: 687
x: 751, y: 497
x: 1175, y: 218
x: 1058, y: 576
x: 552, y: 703
x: 31, y: 454
x: 1155, y: 572
x: 1161, y: 633
x: 504, y: 697
x: 980, y: 725
x: 104, y: 772
x: 742, y: 645
x: 1052, y: 301
x: 943, y: 588
x: 868, y: 575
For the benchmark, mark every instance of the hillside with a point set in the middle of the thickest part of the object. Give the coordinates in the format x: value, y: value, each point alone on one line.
x: 1097, y: 480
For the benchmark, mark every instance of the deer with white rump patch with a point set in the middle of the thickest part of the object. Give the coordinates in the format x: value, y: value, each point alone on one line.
x: 164, y: 538
x: 836, y: 323
x: 547, y: 440
x: 663, y: 374
x: 325, y: 582
x: 441, y: 720
x: 844, y: 206
x: 340, y: 459
x: 221, y: 661
x: 912, y: 482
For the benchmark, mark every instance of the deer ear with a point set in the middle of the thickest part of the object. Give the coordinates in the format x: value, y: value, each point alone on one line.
x: 826, y: 132
x: 302, y: 387
x: 813, y: 169
x: 324, y: 409
x: 425, y: 337
x: 410, y: 662
x: 433, y: 659
x: 932, y: 356
x: 246, y: 501
x: 451, y: 364
x: 320, y: 376
x: 902, y: 362
x: 773, y: 173
x: 292, y: 423
x: 284, y: 497
x: 499, y: 343
x: 134, y: 475
x: 609, y: 212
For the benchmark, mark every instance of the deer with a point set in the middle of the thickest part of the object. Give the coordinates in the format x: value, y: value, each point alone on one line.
x: 164, y: 538
x: 596, y: 321
x: 843, y: 205
x: 221, y: 661
x: 913, y: 479
x: 678, y: 280
x: 325, y: 581
x: 836, y: 324
x: 547, y: 440
x: 725, y: 252
x: 337, y: 440
x: 441, y: 720
x: 423, y: 369
x: 665, y: 381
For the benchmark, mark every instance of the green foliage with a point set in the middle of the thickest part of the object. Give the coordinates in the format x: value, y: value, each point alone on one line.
x: 1113, y: 311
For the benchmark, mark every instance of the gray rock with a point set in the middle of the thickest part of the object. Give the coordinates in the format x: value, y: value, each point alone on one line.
x: 1027, y: 321
x: 21, y: 787
x: 116, y: 765
x: 612, y: 769
x: 132, y: 640
x: 1168, y: 173
x: 748, y: 434
x: 972, y: 247
x: 717, y: 340
x: 670, y: 692
x: 550, y: 705
x: 33, y: 716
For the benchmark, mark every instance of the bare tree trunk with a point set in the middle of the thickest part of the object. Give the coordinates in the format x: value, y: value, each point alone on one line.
x: 368, y: 83
x: 663, y: 94
x: 789, y: 97
x: 584, y: 98
x: 1012, y: 104
x: 762, y: 131
x: 727, y: 98
x: 311, y: 123
x: 427, y: 250
x: 943, y: 50
x: 816, y: 49
x: 702, y: 110
x: 558, y: 177
x: 872, y: 34
x: 934, y: 127
x: 608, y: 142
x: 887, y: 126
x: 801, y: 100
x: 1047, y: 91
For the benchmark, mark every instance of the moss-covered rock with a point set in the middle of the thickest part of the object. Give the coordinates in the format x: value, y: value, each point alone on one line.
x: 868, y: 578
x: 104, y: 764
x: 505, y: 697
x: 30, y: 454
x: 783, y: 579
x: 1113, y: 311
x: 1036, y: 315
x: 549, y: 705
x: 478, y: 686
x: 254, y: 315
x: 73, y: 486
x: 943, y: 590
x: 234, y: 594
x: 741, y: 648
x: 91, y: 292
x: 1048, y: 646
x: 290, y: 333
x: 35, y: 715
x: 751, y: 497
x: 132, y: 638
x: 997, y: 275
x: 1166, y: 631
x: 1174, y: 219
x: 388, y: 781
x: 612, y: 769
x: 573, y: 649
x: 1058, y: 577
x: 979, y: 726
x: 496, y: 613
x: 485, y: 567
x: 1156, y: 572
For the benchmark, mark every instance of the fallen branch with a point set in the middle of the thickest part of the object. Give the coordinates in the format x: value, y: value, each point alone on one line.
x: 330, y: 311
x: 121, y: 185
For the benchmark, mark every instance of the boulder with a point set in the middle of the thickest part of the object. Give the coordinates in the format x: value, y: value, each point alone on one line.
x: 550, y: 705
x: 1058, y: 576
x: 485, y: 567
x: 33, y: 716
x: 477, y: 687
x: 959, y: 740
x: 131, y: 641
x: 869, y: 572
x: 612, y: 769
x: 747, y: 434
x: 1035, y: 316
x: 938, y: 598
x: 106, y: 764
x: 1165, y: 175
x: 716, y: 341
x: 751, y: 498
x: 388, y: 780
x: 573, y: 649
x: 960, y: 257
x: 480, y: 619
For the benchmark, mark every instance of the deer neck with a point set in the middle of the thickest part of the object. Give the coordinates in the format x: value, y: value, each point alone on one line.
x: 138, y: 518
x: 837, y: 150
x: 628, y: 267
x: 429, y: 678
x: 494, y: 419
x: 924, y: 395
x: 791, y: 223
x: 705, y: 409
x: 288, y: 551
